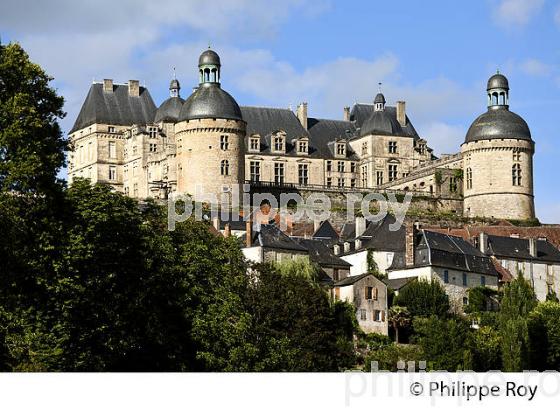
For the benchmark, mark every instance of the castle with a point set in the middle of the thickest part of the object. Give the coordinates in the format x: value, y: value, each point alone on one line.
x: 123, y: 139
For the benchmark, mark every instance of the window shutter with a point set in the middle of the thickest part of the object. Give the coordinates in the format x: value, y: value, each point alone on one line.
x: 383, y: 316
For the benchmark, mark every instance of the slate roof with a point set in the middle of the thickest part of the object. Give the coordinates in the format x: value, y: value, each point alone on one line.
x: 378, y: 236
x: 169, y: 110
x: 325, y: 231
x: 497, y: 123
x: 264, y: 121
x: 116, y: 108
x: 518, y: 248
x: 321, y: 254
x: 210, y: 101
x: 361, y: 112
x: 397, y: 284
x: 350, y: 280
x: 270, y: 237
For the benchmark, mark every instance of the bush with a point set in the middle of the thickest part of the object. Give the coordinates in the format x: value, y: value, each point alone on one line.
x: 388, y: 356
x: 424, y: 299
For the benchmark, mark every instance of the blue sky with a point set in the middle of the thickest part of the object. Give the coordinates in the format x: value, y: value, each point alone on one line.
x: 436, y: 55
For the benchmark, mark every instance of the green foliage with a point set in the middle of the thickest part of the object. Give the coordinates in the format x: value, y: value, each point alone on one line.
x: 544, y: 336
x: 387, y: 356
x: 517, y: 303
x: 399, y: 318
x: 424, y: 299
x: 458, y: 174
x: 480, y: 299
x: 438, y: 177
x: 443, y: 342
x: 552, y: 297
x: 372, y: 265
x: 485, y: 349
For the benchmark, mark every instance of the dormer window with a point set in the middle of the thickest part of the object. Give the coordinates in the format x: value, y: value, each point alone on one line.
x: 278, y: 142
x: 153, y: 132
x: 392, y: 147
x: 111, y: 130
x: 341, y: 149
x: 255, y: 144
x: 302, y: 147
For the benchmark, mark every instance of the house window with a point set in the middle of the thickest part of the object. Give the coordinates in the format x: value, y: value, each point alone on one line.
x: 336, y: 275
x: 134, y: 150
x: 111, y: 130
x: 302, y: 174
x: 392, y: 147
x: 329, y: 166
x: 340, y: 149
x: 224, y: 143
x: 364, y: 176
x: 352, y: 167
x: 278, y: 173
x: 224, y: 167
x: 278, y: 144
x: 302, y: 147
x: 340, y: 166
x: 469, y: 178
x: 379, y: 177
x: 445, y: 276
x: 364, y: 148
x: 255, y: 144
x: 153, y: 132
x: 465, y: 282
x: 134, y: 169
x: 153, y: 147
x: 255, y: 169
x: 135, y: 190
x: 465, y: 301
x: 516, y: 156
x: 377, y: 316
x: 112, y: 149
x: 516, y: 175
x: 370, y: 293
x: 363, y: 315
x: 329, y: 181
x: 392, y: 172
x: 452, y: 184
x: 353, y: 183
x: 341, y: 182
x: 112, y: 173
x: 483, y: 280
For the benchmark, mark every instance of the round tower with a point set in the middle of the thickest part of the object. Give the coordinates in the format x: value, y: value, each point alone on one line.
x: 210, y: 135
x: 498, y: 160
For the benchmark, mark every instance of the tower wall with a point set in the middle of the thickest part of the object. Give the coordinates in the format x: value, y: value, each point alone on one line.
x: 492, y: 193
x: 199, y: 155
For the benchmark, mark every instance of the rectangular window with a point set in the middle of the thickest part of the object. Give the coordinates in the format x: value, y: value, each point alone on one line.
x: 112, y: 149
x: 364, y: 176
x: 134, y: 150
x: 302, y: 147
x: 329, y: 181
x: 341, y: 182
x: 278, y: 173
x: 340, y: 166
x: 465, y: 280
x: 135, y: 190
x: 353, y: 183
x: 340, y: 149
x: 483, y: 280
x: 352, y: 167
x: 153, y: 132
x: 364, y: 148
x: 445, y: 276
x: 255, y: 169
x: 363, y: 314
x: 392, y: 172
x: 516, y: 156
x: 392, y: 147
x: 377, y: 315
x: 452, y: 184
x: 153, y: 147
x: 303, y: 174
x: 278, y: 144
x: 329, y: 166
x: 379, y: 177
x: 111, y: 130
x: 224, y: 143
x: 255, y: 144
x: 112, y: 173
x: 465, y: 301
x: 469, y: 178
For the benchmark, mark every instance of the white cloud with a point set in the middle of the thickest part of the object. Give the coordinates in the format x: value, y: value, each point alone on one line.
x: 442, y: 137
x: 535, y: 67
x: 517, y: 12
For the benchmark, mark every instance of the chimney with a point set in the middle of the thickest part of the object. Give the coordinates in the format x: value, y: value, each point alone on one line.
x: 401, y: 113
x: 316, y: 225
x: 336, y: 250
x: 216, y: 223
x: 533, y: 247
x: 357, y: 244
x: 108, y: 85
x: 249, y: 233
x: 227, y: 231
x: 133, y: 88
x: 483, y: 242
x: 302, y: 114
x: 360, y: 226
x: 346, y: 116
x: 346, y: 247
x: 410, y: 233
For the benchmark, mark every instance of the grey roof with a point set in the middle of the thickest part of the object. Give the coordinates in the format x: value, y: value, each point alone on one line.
x: 498, y: 81
x: 325, y: 231
x: 174, y: 84
x: 381, y: 123
x: 209, y: 57
x: 360, y: 113
x: 397, y: 284
x: 379, y: 98
x: 348, y: 231
x: 350, y: 280
x: 115, y: 108
x: 271, y: 237
x: 210, y: 101
x: 497, y: 123
x: 380, y: 236
x: 264, y: 121
x: 518, y: 248
x: 323, y: 133
x: 322, y: 255
x: 169, y: 110
x: 452, y: 252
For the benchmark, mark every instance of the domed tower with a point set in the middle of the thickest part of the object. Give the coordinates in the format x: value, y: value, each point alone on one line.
x: 498, y: 160
x: 210, y: 136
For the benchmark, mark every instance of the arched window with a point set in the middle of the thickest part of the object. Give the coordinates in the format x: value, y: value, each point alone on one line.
x: 495, y: 99
x: 201, y: 76
x: 469, y: 178
x: 516, y: 174
x: 207, y: 75
x: 224, y: 167
x: 502, y: 98
x: 214, y: 78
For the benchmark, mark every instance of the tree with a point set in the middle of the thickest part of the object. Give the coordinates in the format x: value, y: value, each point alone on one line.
x: 485, y: 347
x: 443, y: 342
x: 517, y: 303
x: 423, y: 299
x: 544, y: 337
x: 399, y: 317
x: 551, y: 296
x: 480, y: 297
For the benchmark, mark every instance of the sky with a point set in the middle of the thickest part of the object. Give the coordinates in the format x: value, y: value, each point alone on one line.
x: 435, y: 55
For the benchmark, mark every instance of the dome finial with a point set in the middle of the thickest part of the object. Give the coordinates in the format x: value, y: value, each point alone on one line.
x: 379, y: 86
